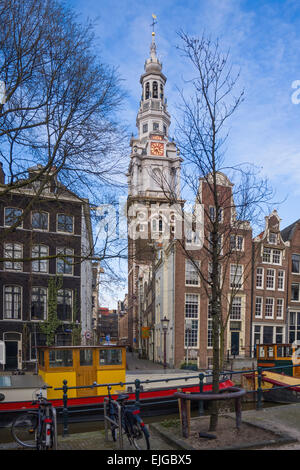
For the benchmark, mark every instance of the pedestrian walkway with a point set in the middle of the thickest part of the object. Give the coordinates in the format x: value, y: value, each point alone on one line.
x: 133, y: 363
x: 96, y: 441
x: 283, y: 419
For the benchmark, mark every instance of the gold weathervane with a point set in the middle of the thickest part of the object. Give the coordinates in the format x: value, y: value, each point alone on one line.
x: 153, y: 23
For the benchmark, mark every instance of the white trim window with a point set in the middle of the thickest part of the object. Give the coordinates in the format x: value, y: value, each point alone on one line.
x: 212, y: 214
x: 64, y: 262
x: 65, y: 305
x: 13, y: 252
x: 280, y: 280
x: 270, y: 279
x: 209, y: 326
x: 259, y: 278
x: 271, y: 256
x: 65, y: 223
x: 41, y: 264
x: 40, y: 220
x: 258, y: 307
x: 236, y: 276
x: 38, y: 303
x: 236, y: 242
x: 12, y: 303
x: 12, y: 215
x: 192, y: 313
x: 279, y: 308
x: 273, y: 238
x: 269, y: 307
x: 192, y: 277
x: 236, y: 308
x: 276, y: 256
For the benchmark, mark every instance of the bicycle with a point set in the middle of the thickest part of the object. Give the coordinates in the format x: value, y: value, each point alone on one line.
x: 132, y: 424
x: 37, y: 429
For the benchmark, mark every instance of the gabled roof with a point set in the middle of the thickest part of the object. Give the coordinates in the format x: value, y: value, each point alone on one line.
x: 288, y: 232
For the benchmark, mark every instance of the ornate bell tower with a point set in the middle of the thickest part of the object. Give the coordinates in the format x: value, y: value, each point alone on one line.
x: 153, y: 184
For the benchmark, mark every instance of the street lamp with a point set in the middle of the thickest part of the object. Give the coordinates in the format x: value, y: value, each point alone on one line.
x: 165, y: 324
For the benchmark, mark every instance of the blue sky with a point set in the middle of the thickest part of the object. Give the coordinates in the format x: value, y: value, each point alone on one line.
x: 264, y: 41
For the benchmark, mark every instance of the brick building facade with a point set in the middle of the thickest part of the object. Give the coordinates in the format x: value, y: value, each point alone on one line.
x: 42, y: 238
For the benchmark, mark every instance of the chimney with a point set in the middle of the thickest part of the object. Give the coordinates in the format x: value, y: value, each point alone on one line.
x: 2, y: 174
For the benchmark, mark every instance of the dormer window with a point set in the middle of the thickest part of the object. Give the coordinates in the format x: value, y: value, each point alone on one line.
x: 273, y: 238
x: 155, y: 90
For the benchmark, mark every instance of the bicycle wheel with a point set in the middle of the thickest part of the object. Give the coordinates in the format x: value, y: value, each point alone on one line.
x: 24, y: 429
x: 140, y: 437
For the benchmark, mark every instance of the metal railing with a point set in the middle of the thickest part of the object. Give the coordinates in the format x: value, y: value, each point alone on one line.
x: 259, y: 391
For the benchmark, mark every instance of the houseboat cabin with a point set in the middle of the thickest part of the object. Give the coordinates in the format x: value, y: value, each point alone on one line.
x: 82, y: 366
x: 277, y: 355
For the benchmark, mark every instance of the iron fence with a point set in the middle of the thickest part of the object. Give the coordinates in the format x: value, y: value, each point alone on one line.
x: 139, y: 384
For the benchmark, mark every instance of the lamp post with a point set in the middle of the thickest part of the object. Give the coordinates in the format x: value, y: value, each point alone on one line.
x: 165, y: 324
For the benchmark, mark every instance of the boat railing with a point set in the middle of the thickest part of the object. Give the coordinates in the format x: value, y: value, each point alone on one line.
x: 138, y: 384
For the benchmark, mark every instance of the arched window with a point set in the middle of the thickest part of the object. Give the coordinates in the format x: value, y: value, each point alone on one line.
x: 155, y: 90
x: 147, y: 91
x: 161, y: 92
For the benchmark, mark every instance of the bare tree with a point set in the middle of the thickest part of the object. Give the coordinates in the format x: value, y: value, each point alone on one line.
x: 59, y: 105
x: 202, y: 131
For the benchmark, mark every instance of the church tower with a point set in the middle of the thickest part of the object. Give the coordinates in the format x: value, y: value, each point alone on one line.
x: 153, y: 185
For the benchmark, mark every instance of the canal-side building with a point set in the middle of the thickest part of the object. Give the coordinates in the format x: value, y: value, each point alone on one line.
x: 291, y: 236
x: 46, y: 243
x: 270, y: 284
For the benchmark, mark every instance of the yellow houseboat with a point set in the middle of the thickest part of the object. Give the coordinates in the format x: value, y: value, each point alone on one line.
x: 81, y: 366
x: 280, y: 364
x: 73, y: 371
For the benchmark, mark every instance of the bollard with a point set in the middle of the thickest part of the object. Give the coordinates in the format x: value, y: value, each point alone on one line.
x: 137, y: 391
x: 200, y: 406
x: 65, y: 408
x: 259, y: 389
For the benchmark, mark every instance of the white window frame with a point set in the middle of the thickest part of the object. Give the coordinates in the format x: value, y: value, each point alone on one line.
x: 234, y: 315
x: 235, y: 244
x: 282, y: 308
x: 5, y: 318
x: 281, y: 279
x: 261, y: 306
x: 267, y: 304
x: 193, y: 317
x: 73, y: 223
x: 192, y: 272
x: 4, y: 218
x: 48, y: 221
x: 40, y: 261
x: 46, y: 305
x: 233, y: 278
x: 66, y: 255
x: 268, y: 277
x: 12, y: 252
x: 262, y: 278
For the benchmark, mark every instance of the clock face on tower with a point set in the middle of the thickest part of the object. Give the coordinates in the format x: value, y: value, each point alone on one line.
x: 157, y: 148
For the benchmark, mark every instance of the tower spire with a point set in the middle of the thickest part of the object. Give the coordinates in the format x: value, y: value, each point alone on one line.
x: 153, y: 45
